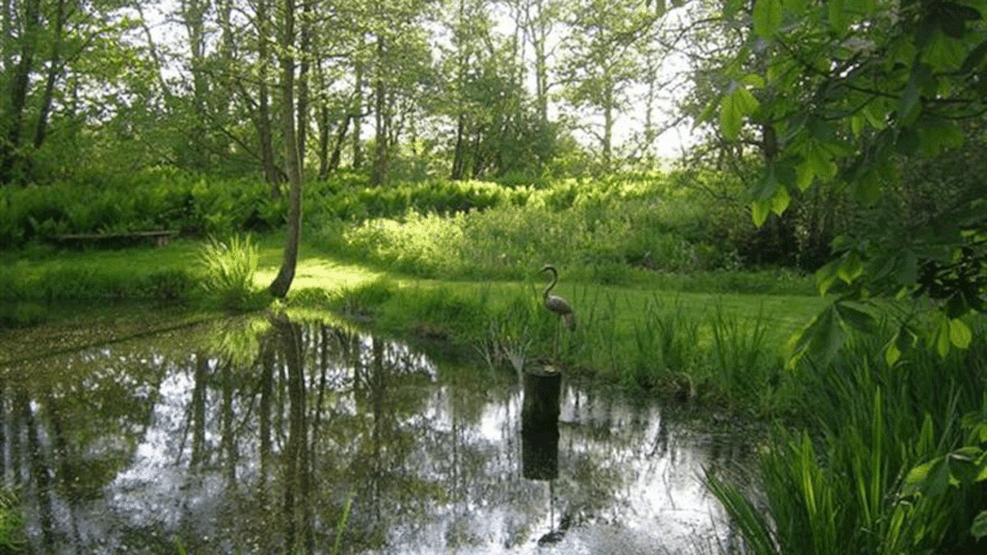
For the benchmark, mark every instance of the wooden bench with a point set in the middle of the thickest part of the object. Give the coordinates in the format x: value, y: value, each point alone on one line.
x: 159, y: 238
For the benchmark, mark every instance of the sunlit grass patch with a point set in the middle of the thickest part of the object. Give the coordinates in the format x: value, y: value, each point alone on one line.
x: 629, y: 242
x: 167, y: 273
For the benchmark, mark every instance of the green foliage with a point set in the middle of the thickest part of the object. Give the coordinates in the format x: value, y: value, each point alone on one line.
x: 880, y: 449
x: 354, y: 200
x: 962, y: 468
x: 744, y: 361
x: 711, y: 351
x: 651, y: 222
x: 364, y: 301
x: 11, y: 523
x: 858, y: 99
x: 150, y: 200
x: 229, y: 268
x: 344, y: 517
x: 21, y: 314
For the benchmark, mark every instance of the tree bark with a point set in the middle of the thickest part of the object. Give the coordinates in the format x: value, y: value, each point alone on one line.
x: 357, y: 111
x: 293, y: 157
x: 20, y: 82
x: 459, y: 153
x: 304, y: 46
x: 379, y: 176
x: 337, y: 149
x: 538, y: 29
x: 194, y: 13
x: 263, y: 119
x: 609, y: 105
x: 54, y: 67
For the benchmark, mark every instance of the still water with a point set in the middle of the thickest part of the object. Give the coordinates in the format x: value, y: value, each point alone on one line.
x: 267, y: 435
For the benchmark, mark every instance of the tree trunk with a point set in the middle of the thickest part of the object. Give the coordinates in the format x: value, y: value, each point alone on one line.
x: 194, y: 14
x: 54, y: 67
x: 538, y: 29
x: 357, y: 111
x: 337, y: 149
x: 459, y: 153
x: 305, y: 43
x: 379, y: 176
x: 20, y: 82
x: 608, y: 119
x: 323, y: 124
x: 263, y: 120
x: 227, y: 53
x: 293, y: 157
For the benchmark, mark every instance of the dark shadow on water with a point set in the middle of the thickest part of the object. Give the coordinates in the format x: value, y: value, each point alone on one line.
x: 252, y: 435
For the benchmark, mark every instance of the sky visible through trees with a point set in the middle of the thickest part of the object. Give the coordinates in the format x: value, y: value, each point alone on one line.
x: 646, y: 104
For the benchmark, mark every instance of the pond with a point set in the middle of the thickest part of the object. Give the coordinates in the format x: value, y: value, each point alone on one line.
x: 267, y: 435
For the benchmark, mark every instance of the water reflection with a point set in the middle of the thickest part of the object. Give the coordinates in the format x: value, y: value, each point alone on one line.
x: 256, y: 436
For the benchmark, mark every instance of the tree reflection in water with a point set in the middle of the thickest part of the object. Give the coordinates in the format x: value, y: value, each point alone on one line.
x: 250, y: 436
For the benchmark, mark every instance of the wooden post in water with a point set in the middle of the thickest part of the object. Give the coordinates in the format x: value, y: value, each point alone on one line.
x: 540, y: 423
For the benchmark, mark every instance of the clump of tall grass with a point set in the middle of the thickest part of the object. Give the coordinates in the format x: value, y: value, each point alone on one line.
x: 360, y: 302
x: 229, y: 267
x: 743, y: 361
x: 427, y: 245
x: 673, y: 347
x: 841, y: 481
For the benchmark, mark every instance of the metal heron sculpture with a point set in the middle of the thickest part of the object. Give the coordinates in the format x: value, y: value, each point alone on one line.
x: 559, y: 306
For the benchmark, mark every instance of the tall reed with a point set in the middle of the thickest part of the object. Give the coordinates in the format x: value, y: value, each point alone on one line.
x: 840, y: 481
x: 742, y: 360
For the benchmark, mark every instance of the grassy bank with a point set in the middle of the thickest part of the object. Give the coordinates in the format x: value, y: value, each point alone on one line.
x: 718, y: 349
x: 652, y: 330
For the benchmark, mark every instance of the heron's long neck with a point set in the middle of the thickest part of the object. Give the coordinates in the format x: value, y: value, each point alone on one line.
x: 555, y: 279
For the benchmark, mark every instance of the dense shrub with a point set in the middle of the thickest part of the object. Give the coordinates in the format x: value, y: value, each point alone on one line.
x: 358, y: 201
x: 486, y: 230
x: 154, y: 199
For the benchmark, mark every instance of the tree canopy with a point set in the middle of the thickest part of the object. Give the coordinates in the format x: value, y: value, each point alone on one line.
x: 465, y: 88
x: 884, y: 102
